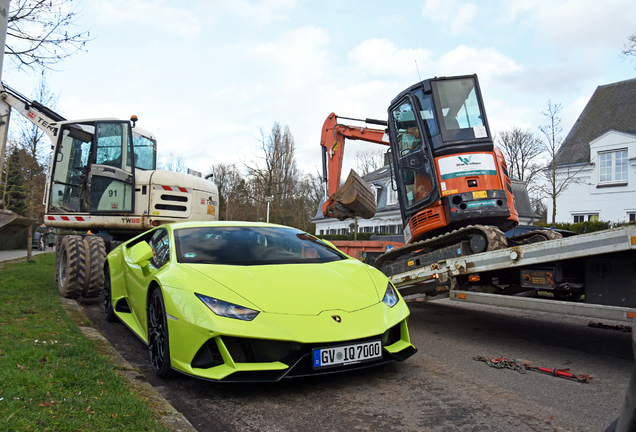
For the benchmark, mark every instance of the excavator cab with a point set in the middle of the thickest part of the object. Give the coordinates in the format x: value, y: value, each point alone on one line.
x: 444, y: 159
x: 94, y: 167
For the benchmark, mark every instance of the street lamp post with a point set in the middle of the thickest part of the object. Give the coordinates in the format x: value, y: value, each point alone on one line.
x: 268, y: 199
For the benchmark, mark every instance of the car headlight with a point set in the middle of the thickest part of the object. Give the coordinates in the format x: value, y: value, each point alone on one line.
x: 229, y: 310
x: 390, y: 296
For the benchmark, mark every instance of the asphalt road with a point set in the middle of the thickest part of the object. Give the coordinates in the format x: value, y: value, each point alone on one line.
x: 441, y: 388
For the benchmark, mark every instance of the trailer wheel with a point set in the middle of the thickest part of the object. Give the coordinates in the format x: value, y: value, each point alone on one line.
x: 71, y: 267
x: 95, y: 257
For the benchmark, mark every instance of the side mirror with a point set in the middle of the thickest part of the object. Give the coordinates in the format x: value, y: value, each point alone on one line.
x: 141, y: 253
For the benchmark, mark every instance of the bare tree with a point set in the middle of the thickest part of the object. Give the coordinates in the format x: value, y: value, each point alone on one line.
x: 279, y: 174
x: 33, y: 144
x: 556, y: 179
x: 227, y: 178
x: 369, y: 160
x: 629, y: 48
x: 40, y: 33
x: 173, y: 162
x: 309, y: 193
x: 521, y: 148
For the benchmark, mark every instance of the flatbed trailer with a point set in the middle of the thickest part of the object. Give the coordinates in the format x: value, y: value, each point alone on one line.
x: 599, y: 268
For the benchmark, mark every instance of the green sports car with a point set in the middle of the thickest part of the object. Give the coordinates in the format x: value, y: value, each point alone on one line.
x: 232, y: 301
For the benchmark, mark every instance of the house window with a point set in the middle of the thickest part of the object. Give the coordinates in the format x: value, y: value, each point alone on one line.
x: 631, y: 217
x: 392, y: 197
x: 613, y: 167
x: 322, y: 232
x: 586, y: 217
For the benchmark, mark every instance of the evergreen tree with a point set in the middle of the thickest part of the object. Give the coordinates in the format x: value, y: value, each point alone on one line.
x: 16, y: 190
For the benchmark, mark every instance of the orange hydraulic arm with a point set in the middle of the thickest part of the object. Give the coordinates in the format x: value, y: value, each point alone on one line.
x: 332, y: 141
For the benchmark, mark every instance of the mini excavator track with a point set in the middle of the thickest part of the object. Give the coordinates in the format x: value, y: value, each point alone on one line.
x: 533, y: 237
x: 463, y: 241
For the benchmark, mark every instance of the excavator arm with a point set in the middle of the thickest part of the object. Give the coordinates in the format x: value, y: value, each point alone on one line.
x: 36, y: 113
x: 354, y: 198
x: 39, y: 115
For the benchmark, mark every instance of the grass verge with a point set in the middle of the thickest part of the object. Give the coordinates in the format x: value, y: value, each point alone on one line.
x: 51, y: 376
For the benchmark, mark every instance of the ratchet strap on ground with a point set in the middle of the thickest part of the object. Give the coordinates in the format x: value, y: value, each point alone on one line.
x: 504, y: 362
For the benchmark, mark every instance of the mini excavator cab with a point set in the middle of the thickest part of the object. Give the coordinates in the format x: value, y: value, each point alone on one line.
x: 446, y: 167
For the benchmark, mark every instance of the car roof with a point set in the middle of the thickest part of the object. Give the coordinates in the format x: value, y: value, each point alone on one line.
x: 180, y: 225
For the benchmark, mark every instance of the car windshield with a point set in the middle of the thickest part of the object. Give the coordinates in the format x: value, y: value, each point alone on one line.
x: 233, y: 245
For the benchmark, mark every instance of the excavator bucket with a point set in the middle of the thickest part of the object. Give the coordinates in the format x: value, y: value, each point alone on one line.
x: 11, y: 223
x: 354, y: 198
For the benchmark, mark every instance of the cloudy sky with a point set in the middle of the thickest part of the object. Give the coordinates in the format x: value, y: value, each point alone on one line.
x: 206, y: 75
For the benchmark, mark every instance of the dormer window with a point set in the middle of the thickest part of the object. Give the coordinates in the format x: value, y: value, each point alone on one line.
x: 392, y: 196
x: 613, y: 167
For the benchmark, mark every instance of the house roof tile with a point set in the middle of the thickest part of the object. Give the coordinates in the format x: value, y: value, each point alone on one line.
x: 611, y: 107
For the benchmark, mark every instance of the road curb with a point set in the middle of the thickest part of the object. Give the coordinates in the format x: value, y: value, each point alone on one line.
x: 167, y: 414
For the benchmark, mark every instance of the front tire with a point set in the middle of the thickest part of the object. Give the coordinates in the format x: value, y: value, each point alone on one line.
x: 71, y: 267
x: 96, y: 255
x: 109, y: 312
x: 158, y: 340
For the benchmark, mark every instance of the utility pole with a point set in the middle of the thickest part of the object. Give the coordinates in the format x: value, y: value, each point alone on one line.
x: 5, y: 109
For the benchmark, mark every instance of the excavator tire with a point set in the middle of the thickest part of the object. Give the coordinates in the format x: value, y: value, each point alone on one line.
x: 95, y: 257
x: 71, y: 267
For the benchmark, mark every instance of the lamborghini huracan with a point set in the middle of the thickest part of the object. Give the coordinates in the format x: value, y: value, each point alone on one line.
x: 240, y: 301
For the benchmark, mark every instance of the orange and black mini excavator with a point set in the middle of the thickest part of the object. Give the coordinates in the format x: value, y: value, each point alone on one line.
x: 454, y: 190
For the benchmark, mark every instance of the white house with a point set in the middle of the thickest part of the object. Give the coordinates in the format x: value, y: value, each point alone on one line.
x: 600, y: 154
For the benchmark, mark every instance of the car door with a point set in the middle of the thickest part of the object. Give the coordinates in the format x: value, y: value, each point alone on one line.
x: 138, y: 278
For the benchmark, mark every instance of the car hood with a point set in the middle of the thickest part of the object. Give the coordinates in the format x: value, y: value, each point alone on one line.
x: 298, y: 289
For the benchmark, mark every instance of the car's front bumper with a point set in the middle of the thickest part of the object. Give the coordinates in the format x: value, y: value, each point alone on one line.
x: 276, y: 346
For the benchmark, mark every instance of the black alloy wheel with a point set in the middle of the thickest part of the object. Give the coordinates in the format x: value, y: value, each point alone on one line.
x: 109, y: 312
x: 158, y: 341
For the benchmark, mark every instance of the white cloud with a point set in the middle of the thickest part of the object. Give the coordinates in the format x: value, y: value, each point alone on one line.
x: 155, y: 14
x: 488, y: 63
x: 383, y: 57
x: 456, y: 14
x: 573, y: 25
x: 298, y: 58
x: 256, y: 13
x: 511, y: 9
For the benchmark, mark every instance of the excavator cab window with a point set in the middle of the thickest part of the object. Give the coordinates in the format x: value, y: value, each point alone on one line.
x: 112, y: 171
x: 416, y: 175
x: 459, y: 108
x: 145, y: 152
x: 109, y: 146
x: 70, y: 169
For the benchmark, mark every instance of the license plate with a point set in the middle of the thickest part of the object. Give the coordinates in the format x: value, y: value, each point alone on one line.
x: 347, y: 354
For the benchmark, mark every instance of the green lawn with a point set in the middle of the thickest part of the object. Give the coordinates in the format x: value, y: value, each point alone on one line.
x: 51, y: 377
